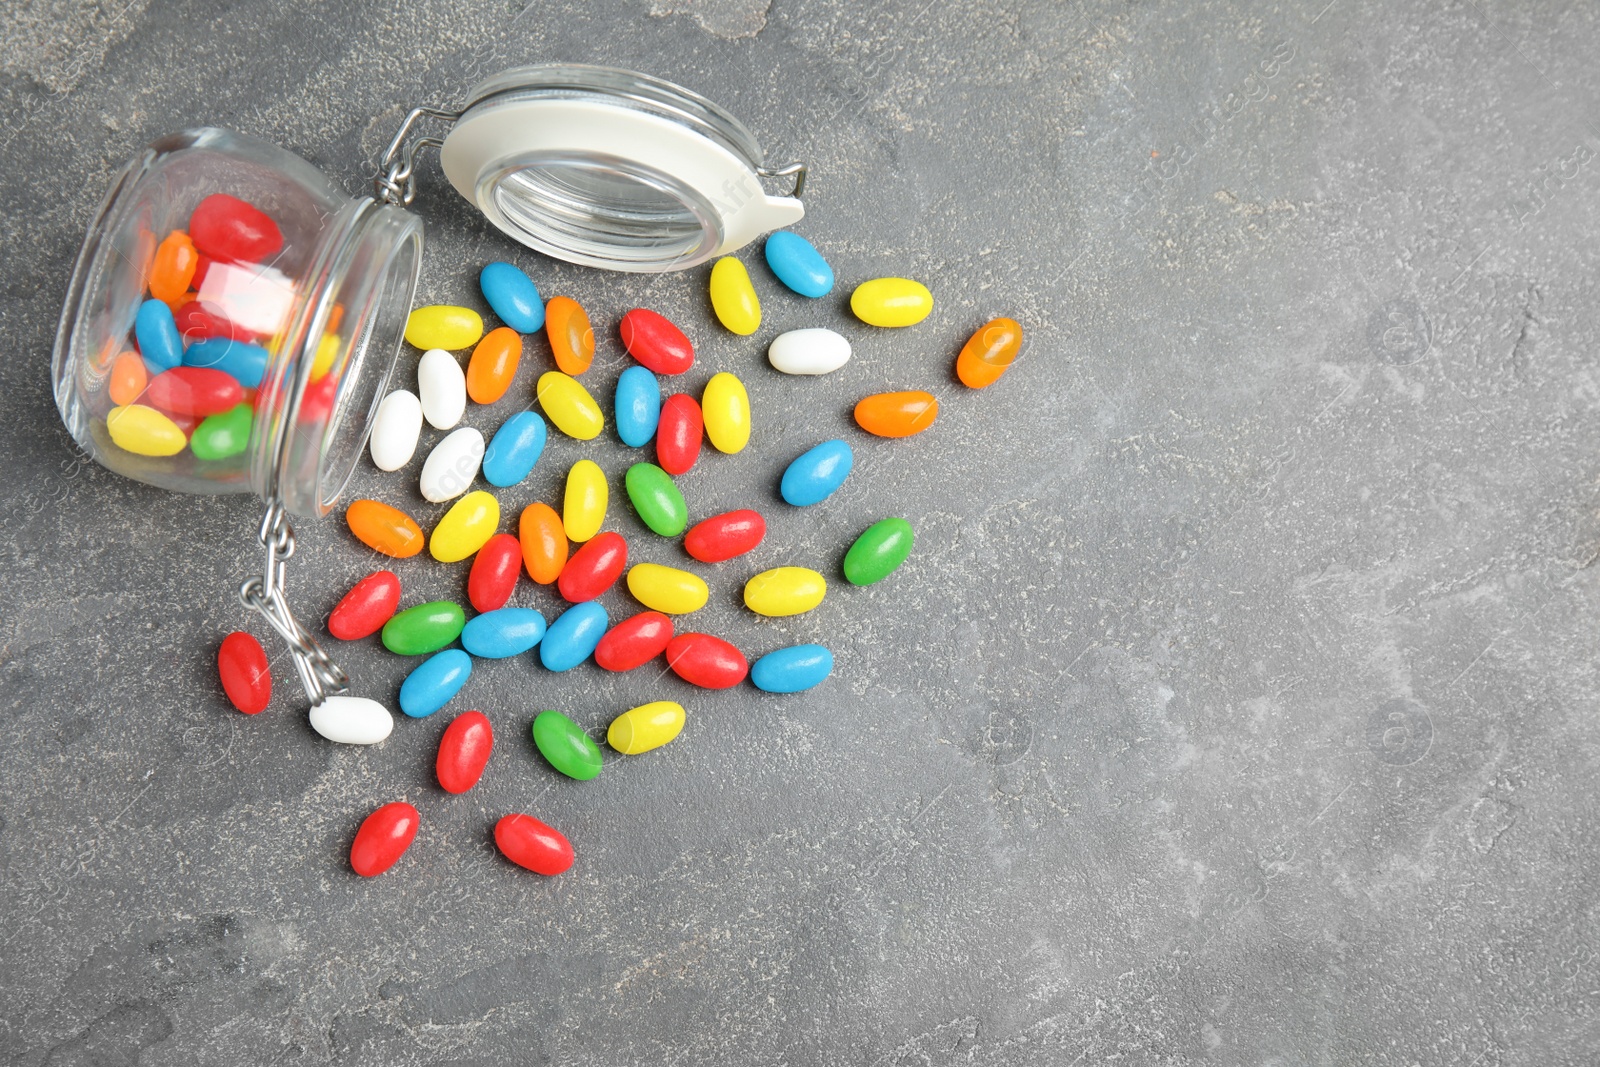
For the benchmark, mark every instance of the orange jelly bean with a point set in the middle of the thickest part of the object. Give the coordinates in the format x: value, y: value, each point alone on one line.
x: 897, y: 414
x: 493, y: 365
x: 128, y: 378
x: 988, y: 353
x: 384, y: 529
x: 544, y: 542
x: 173, y: 267
x: 571, y: 338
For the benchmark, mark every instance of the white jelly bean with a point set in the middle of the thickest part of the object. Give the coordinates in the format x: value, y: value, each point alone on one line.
x: 352, y: 720
x: 442, y: 384
x: 395, y: 430
x: 452, y: 465
x: 813, y: 351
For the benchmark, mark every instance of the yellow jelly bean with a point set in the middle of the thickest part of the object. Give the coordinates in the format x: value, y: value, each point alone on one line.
x: 733, y: 298
x: 891, y: 302
x: 726, y: 408
x: 465, y: 528
x: 645, y: 727
x: 444, y: 326
x: 584, y: 507
x: 144, y: 431
x: 327, y: 351
x: 667, y: 589
x: 569, y: 406
x: 785, y: 591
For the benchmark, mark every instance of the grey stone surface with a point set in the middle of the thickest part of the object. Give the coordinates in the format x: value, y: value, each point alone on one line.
x: 1237, y: 706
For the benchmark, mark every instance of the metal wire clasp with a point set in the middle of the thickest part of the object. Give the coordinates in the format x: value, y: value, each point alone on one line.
x: 396, y: 182
x: 319, y: 675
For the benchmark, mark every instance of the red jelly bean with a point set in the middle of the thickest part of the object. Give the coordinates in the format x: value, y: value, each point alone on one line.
x: 494, y: 572
x: 655, y: 342
x: 226, y: 228
x: 369, y: 604
x: 202, y: 264
x: 634, y: 642
x: 198, y: 391
x: 529, y: 843
x: 316, y: 403
x: 594, y: 568
x: 678, y: 434
x: 706, y: 661
x: 733, y: 533
x: 246, y: 677
x: 383, y: 838
x: 463, y: 750
x: 196, y: 323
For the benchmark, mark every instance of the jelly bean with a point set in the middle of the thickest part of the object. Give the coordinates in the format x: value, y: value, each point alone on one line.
x: 452, y: 465
x: 328, y: 350
x: 811, y: 351
x: 634, y: 642
x: 245, y: 362
x: 655, y: 342
x: 493, y: 365
x: 463, y: 751
x: 227, y: 228
x: 157, y: 335
x: 570, y: 406
x: 512, y: 295
x: 316, y: 403
x: 442, y: 388
x: 785, y: 591
x: 196, y: 322
x: 566, y: 746
x: 202, y: 265
x: 544, y: 542
x: 733, y: 298
x: 988, y: 352
x: 815, y: 474
x: 352, y: 720
x: 792, y: 669
x: 572, y: 637
x: 369, y: 604
x: 395, y: 430
x: 224, y: 435
x: 878, y: 552
x: 246, y: 677
x: 384, y: 529
x: 514, y: 449
x: 706, y: 661
x: 638, y: 406
x: 424, y: 628
x: 678, y: 435
x: 173, y: 267
x: 897, y: 414
x: 722, y: 537
x: 594, y: 568
x: 584, y: 507
x: 667, y: 589
x: 383, y: 838
x: 494, y: 572
x: 891, y: 302
x: 465, y: 528
x: 144, y: 431
x: 197, y: 391
x: 531, y: 844
x: 645, y: 727
x: 443, y: 326
x: 503, y: 633
x: 566, y: 324
x: 726, y: 408
x: 798, y: 264
x: 432, y: 683
x: 657, y: 499
x: 129, y: 377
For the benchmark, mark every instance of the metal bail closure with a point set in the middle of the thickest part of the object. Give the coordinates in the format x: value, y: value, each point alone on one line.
x: 319, y: 676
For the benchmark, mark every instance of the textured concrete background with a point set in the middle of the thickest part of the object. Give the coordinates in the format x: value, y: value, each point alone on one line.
x: 1237, y: 706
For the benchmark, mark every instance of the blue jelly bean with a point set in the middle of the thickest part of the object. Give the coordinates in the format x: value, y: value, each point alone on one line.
x: 515, y: 448
x: 798, y: 264
x: 502, y: 633
x: 157, y: 333
x: 246, y: 363
x: 816, y: 474
x: 513, y: 296
x: 431, y: 685
x: 638, y: 406
x: 789, y: 670
x: 572, y: 637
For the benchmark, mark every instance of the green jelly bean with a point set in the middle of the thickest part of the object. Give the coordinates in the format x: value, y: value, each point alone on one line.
x: 424, y: 628
x: 877, y: 552
x: 223, y: 435
x: 657, y: 499
x: 568, y: 748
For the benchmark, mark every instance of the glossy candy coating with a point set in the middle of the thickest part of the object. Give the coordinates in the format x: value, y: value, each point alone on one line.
x: 725, y: 406
x: 733, y: 298
x: 226, y: 228
x: 569, y: 405
x: 989, y: 352
x: 503, y: 633
x: 706, y: 661
x: 196, y: 322
x: 224, y: 435
x: 172, y: 269
x: 531, y: 844
x: 352, y: 720
x: 383, y: 838
x: 156, y: 333
x: 571, y: 336
x: 369, y: 604
x: 246, y: 362
x: 722, y: 537
x: 785, y: 591
x: 465, y: 528
x: 384, y: 529
x: 645, y: 727
x: 810, y: 351
x: 678, y: 434
x: 583, y: 508
x: 514, y: 449
x: 494, y: 573
x: 512, y: 296
x: 463, y: 752
x: 814, y: 475
x: 897, y: 414
x: 425, y: 628
x: 891, y: 302
x: 880, y: 549
x: 144, y: 431
x: 442, y: 388
x: 452, y: 465
x: 444, y: 326
x: 129, y: 377
x: 544, y: 542
x: 395, y: 430
x: 655, y: 342
x: 571, y: 639
x: 246, y: 676
x: 633, y: 642
x: 594, y: 568
x: 493, y: 365
x: 566, y: 746
x: 637, y: 406
x: 657, y: 499
x: 792, y: 669
x: 432, y: 683
x: 798, y: 264
x: 667, y: 589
